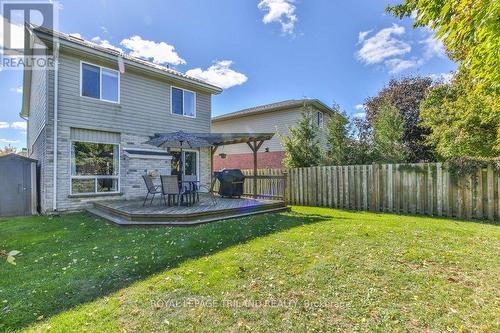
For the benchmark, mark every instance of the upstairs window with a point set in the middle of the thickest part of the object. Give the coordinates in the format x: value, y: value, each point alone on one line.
x: 320, y: 120
x: 100, y: 83
x: 183, y: 102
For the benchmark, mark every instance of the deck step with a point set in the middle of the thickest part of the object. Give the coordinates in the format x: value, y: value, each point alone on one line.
x: 121, y: 218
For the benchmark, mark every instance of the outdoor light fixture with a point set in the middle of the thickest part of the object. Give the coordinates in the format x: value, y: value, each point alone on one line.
x: 223, y: 155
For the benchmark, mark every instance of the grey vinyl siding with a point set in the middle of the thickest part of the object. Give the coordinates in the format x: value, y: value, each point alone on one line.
x: 144, y: 107
x: 78, y: 134
x: 40, y: 133
x: 278, y: 122
x: 38, y: 105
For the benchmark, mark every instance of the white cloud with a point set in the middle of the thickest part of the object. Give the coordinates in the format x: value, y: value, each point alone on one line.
x: 362, y: 35
x: 442, y: 77
x: 220, y: 74
x: 359, y: 107
x: 383, y: 45
x: 19, y: 125
x: 104, y: 43
x: 280, y: 11
x: 18, y: 90
x: 360, y: 115
x: 159, y: 53
x: 9, y: 142
x: 433, y: 47
x: 397, y: 65
x: 4, y: 124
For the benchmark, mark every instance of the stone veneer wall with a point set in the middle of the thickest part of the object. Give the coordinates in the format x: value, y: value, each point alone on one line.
x: 131, y: 170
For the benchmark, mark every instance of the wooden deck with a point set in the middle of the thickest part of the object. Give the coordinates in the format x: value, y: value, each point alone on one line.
x: 133, y: 213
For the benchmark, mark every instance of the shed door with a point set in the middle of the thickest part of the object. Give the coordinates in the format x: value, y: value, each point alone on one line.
x: 15, y: 188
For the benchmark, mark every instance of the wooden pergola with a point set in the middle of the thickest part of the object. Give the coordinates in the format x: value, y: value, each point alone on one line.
x: 253, y: 140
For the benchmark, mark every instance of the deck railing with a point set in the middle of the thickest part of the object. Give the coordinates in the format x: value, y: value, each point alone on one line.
x: 271, y: 184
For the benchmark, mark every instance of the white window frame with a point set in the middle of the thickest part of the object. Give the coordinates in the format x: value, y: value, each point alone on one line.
x: 322, y: 125
x: 178, y: 150
x: 100, y: 82
x: 96, y: 178
x: 183, y: 108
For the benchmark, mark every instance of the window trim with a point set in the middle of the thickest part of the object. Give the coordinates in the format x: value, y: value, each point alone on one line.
x: 90, y: 194
x: 171, y: 104
x: 100, y: 82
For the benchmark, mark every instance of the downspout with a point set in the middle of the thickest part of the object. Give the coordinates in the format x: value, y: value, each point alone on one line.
x: 56, y: 95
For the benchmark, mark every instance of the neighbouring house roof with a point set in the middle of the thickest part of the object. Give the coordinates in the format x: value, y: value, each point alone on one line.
x: 78, y: 44
x: 283, y: 105
x: 219, y: 139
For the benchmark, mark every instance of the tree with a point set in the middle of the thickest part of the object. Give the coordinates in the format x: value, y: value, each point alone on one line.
x: 360, y: 149
x: 8, y: 150
x: 302, y: 148
x: 464, y: 122
x: 388, y: 132
x: 405, y: 95
x: 337, y: 134
x: 470, y: 33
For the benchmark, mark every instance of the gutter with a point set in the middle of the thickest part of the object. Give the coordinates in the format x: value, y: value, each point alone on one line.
x: 56, y: 108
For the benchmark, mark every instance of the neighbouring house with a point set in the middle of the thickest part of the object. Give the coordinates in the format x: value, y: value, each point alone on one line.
x: 275, y: 118
x: 90, y: 116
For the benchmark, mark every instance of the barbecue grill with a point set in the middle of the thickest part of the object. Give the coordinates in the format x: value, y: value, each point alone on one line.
x: 231, y: 182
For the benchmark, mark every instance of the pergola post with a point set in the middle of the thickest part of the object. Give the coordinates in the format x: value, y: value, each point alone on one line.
x: 213, y: 149
x: 255, y: 146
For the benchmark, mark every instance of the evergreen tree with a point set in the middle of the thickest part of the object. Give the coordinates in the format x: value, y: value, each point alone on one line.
x: 302, y: 148
x: 337, y: 134
x: 388, y: 133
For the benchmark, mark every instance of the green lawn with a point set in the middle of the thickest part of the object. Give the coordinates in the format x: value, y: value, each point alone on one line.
x: 311, y: 269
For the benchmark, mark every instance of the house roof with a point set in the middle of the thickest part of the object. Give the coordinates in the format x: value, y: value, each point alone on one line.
x: 283, y: 105
x: 17, y: 156
x: 78, y: 44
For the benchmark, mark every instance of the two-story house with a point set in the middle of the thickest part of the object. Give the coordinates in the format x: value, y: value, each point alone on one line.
x: 91, y: 114
x: 274, y: 118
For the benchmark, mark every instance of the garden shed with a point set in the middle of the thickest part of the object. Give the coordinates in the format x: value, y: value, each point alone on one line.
x: 18, y: 190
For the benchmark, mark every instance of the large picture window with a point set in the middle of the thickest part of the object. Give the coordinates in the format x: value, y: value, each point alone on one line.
x: 94, y: 168
x: 183, y: 102
x: 100, y: 83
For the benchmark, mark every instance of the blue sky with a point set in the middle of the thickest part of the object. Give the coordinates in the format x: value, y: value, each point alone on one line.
x: 262, y: 51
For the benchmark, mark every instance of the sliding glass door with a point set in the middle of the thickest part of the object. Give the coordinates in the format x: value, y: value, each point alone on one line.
x: 189, y: 163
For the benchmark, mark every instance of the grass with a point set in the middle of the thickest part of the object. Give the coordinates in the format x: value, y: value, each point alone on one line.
x: 312, y: 269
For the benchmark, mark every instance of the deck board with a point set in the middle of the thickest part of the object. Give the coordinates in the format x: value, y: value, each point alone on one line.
x: 134, y: 213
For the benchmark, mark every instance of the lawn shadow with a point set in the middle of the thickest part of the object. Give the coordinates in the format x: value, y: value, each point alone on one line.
x: 84, y: 258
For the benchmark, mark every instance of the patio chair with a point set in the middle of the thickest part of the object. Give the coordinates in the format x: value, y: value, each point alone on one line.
x: 210, y: 189
x: 191, y: 186
x: 170, y: 188
x: 152, y: 189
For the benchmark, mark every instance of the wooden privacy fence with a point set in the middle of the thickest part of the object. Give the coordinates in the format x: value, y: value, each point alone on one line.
x: 422, y: 188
